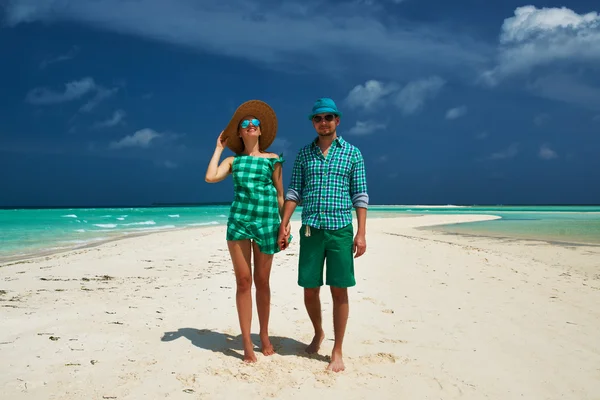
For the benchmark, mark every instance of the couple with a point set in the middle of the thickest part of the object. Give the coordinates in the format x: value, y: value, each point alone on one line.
x: 328, y: 179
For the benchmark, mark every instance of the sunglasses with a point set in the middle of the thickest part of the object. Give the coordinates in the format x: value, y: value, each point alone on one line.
x: 245, y: 123
x: 328, y: 118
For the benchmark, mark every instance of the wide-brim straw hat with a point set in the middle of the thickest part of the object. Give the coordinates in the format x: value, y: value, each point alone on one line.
x: 268, y: 125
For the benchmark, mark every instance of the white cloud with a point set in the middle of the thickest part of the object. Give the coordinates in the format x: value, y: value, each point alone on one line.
x: 510, y: 152
x: 101, y: 95
x: 546, y: 153
x: 61, y: 58
x: 73, y: 90
x: 141, y: 138
x: 413, y: 96
x: 456, y: 112
x: 409, y: 99
x: 291, y: 34
x: 536, y: 37
x: 117, y: 118
x: 567, y: 89
x: 370, y: 94
x: 366, y: 128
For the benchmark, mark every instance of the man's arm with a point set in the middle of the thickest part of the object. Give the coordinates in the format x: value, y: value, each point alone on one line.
x: 292, y: 198
x: 360, y: 201
x: 360, y: 240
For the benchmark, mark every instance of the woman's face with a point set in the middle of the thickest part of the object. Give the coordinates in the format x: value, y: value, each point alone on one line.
x: 249, y: 126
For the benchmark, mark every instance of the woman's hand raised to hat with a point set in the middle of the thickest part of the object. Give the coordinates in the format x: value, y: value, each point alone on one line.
x: 221, y: 141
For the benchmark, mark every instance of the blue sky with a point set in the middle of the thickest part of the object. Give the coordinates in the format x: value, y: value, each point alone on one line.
x: 108, y: 102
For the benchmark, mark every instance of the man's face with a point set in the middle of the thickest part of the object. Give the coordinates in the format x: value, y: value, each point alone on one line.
x: 325, y: 124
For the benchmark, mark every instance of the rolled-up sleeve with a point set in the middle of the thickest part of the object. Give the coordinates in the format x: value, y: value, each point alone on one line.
x: 294, y: 192
x: 358, y: 182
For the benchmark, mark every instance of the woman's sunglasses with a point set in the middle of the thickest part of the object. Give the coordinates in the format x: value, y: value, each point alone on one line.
x: 245, y: 123
x: 328, y: 118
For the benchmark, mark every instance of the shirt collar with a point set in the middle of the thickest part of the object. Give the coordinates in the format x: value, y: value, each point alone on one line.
x: 338, y: 141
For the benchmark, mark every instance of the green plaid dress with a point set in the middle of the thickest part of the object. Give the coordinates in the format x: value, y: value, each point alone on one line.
x: 254, y: 213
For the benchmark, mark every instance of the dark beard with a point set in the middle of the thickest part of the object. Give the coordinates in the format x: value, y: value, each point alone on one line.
x: 326, y: 134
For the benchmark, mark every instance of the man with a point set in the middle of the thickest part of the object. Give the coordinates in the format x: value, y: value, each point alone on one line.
x: 328, y: 180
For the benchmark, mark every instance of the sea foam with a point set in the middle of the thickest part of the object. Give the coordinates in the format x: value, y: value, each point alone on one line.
x: 106, y: 225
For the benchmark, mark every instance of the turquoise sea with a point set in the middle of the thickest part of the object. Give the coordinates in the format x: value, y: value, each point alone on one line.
x: 25, y: 232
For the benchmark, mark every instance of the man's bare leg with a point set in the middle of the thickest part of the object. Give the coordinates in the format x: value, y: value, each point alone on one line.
x: 312, y: 302
x: 262, y: 274
x: 341, y: 310
x: 241, y: 251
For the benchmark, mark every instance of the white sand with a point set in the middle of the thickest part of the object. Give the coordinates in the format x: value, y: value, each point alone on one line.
x: 433, y: 316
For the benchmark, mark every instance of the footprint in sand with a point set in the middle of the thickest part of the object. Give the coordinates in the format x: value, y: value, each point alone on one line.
x: 393, y: 341
x: 369, y: 299
x: 186, y: 380
x: 379, y: 358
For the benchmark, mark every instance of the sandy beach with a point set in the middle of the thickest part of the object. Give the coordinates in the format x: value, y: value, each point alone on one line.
x: 433, y: 316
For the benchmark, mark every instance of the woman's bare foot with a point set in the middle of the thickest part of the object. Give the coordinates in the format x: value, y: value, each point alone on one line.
x: 267, y: 347
x: 337, y: 363
x: 315, y: 345
x: 249, y: 356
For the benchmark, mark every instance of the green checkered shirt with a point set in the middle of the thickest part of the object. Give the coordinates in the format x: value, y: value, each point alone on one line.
x: 328, y: 187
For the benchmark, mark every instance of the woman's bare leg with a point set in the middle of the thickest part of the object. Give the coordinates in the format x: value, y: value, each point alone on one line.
x: 262, y: 275
x: 241, y: 253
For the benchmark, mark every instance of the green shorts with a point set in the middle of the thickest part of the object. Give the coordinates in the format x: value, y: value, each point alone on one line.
x: 335, y: 246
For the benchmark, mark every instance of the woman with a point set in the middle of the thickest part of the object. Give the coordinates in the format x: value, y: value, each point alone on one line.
x: 255, y: 213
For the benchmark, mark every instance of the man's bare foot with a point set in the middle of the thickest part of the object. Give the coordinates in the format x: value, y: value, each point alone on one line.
x: 337, y: 363
x: 267, y: 347
x: 249, y: 356
x: 315, y: 345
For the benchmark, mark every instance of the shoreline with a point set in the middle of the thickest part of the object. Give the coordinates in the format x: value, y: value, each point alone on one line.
x: 468, y: 218
x: 514, y: 238
x: 20, y: 258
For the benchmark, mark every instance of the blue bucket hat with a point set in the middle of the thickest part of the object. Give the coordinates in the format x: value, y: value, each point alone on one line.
x: 324, y: 105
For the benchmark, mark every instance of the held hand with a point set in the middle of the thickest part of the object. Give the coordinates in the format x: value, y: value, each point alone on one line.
x: 282, y: 237
x: 221, y: 142
x: 360, y: 245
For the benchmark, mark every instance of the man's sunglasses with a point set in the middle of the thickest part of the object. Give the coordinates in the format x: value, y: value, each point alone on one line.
x: 245, y: 123
x: 328, y: 118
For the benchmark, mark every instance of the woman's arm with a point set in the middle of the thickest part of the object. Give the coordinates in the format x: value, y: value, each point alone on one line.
x: 278, y: 183
x: 215, y: 172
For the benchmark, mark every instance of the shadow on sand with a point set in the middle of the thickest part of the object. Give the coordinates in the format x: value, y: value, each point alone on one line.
x: 226, y: 344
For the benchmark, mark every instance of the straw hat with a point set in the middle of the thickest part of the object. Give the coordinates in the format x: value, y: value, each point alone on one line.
x: 268, y: 125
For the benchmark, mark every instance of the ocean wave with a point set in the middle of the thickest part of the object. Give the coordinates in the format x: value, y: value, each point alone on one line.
x: 140, y: 223
x: 80, y: 230
x: 121, y: 218
x: 223, y: 215
x: 106, y: 225
x: 69, y: 216
x: 204, y: 223
x: 154, y: 228
x: 174, y: 216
